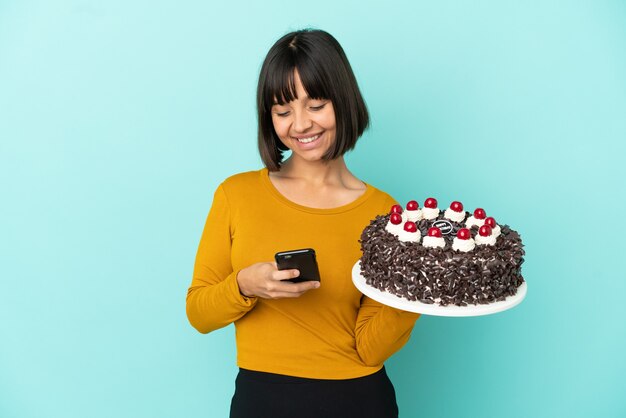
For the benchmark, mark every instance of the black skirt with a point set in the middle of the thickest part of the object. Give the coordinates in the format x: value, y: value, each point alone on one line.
x: 268, y: 395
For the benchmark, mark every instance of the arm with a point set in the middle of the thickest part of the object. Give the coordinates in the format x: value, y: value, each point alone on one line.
x: 214, y: 299
x: 381, y: 331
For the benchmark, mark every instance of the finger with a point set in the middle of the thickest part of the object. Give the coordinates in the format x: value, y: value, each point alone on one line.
x: 294, y: 288
x: 284, y: 295
x: 304, y: 286
x: 285, y: 274
x: 292, y: 293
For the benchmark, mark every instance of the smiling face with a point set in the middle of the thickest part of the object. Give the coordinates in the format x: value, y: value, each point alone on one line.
x: 306, y: 126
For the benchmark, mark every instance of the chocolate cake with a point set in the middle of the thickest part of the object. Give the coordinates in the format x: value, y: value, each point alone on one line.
x: 462, y: 258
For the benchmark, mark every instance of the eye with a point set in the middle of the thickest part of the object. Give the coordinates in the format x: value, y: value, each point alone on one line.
x: 282, y: 114
x: 320, y: 107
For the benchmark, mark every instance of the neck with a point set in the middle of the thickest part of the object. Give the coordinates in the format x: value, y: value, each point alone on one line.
x: 315, y: 171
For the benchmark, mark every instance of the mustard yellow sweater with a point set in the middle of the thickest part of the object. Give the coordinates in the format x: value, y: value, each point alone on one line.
x: 333, y: 332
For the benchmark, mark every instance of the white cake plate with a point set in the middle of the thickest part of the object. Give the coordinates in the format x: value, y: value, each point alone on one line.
x: 433, y: 309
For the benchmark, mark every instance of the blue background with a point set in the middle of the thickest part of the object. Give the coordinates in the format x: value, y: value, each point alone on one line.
x: 118, y: 119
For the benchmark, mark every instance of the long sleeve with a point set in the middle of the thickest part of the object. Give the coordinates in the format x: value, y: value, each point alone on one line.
x: 213, y: 299
x: 328, y: 333
x: 381, y: 331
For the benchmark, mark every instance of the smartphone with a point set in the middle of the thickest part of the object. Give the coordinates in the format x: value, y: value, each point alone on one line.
x: 304, y: 260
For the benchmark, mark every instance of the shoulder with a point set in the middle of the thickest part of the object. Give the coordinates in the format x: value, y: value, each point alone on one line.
x: 242, y: 182
x: 243, y: 179
x: 381, y: 199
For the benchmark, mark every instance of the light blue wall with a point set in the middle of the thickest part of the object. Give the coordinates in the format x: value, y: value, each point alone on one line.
x: 118, y: 119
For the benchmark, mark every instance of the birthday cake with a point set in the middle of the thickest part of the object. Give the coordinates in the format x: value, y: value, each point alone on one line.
x: 449, y: 257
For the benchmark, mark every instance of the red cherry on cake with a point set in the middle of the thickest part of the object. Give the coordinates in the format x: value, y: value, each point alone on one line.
x: 456, y: 206
x: 490, y: 222
x: 430, y: 203
x: 410, y: 226
x: 463, y: 233
x: 396, y: 209
x: 412, y: 205
x: 434, y: 232
x: 484, y: 231
x: 395, y: 218
x: 479, y: 213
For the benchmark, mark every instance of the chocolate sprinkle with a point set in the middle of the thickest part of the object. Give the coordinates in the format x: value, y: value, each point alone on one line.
x: 442, y: 276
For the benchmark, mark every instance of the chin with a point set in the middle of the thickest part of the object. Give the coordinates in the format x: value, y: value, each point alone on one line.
x: 310, y: 158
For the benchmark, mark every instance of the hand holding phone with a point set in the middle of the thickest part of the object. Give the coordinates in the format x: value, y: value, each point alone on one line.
x: 267, y: 281
x: 303, y: 260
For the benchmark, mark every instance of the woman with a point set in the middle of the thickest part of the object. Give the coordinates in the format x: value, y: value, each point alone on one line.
x: 312, y: 348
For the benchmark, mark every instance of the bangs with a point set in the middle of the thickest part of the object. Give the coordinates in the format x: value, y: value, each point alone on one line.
x: 280, y: 87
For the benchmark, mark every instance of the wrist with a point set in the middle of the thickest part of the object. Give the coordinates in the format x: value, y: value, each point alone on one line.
x: 242, y: 289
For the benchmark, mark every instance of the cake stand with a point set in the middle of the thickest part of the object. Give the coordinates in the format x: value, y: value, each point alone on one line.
x: 433, y: 309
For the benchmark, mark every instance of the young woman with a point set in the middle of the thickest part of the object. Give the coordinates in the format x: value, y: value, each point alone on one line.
x: 309, y: 349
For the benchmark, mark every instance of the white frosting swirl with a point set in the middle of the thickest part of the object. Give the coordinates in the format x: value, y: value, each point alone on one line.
x: 471, y: 221
x: 406, y: 236
x: 433, y: 242
x: 463, y: 245
x: 490, y: 240
x: 412, y: 215
x: 454, y: 216
x: 430, y: 213
x: 393, y: 229
x: 496, y: 231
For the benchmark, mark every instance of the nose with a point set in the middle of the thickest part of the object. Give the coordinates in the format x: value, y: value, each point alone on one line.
x: 301, y: 122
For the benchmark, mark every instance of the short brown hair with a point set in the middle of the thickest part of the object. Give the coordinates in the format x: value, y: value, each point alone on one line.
x: 325, y: 74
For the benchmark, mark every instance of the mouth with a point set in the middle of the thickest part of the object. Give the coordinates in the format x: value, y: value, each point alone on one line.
x: 307, y: 140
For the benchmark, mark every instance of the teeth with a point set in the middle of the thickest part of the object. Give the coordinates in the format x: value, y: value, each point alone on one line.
x: 307, y: 140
